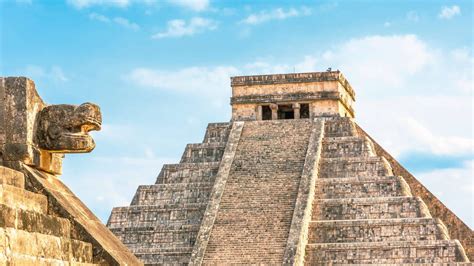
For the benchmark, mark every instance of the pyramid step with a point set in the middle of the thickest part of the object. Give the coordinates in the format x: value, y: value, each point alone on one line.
x: 369, y: 208
x: 21, y: 259
x: 169, y: 256
x: 11, y: 177
x: 437, y: 251
x: 353, y: 146
x: 20, y: 198
x: 45, y: 246
x: 34, y: 222
x: 361, y: 187
x: 203, y: 152
x: 340, y: 127
x: 157, y: 234
x: 159, y: 194
x: 406, y: 229
x: 142, y: 215
x: 217, y: 132
x: 354, y: 166
x: 188, y: 173
x: 163, y: 245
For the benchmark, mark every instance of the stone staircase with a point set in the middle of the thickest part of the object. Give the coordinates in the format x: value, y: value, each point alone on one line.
x: 161, y: 224
x: 362, y: 214
x: 29, y: 233
x: 256, y: 209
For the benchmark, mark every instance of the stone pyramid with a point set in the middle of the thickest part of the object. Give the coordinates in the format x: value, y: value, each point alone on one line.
x: 290, y: 180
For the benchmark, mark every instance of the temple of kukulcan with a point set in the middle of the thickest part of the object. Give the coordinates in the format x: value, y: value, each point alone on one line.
x: 291, y: 179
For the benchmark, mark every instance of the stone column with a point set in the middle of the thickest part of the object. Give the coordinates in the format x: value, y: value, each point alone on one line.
x: 296, y: 110
x: 259, y: 112
x: 274, y: 108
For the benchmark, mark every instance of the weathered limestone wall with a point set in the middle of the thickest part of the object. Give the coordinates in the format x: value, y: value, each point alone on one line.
x: 363, y: 214
x: 456, y: 227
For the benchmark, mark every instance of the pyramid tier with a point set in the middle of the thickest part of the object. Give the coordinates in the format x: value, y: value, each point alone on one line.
x: 188, y: 173
x: 203, y: 152
x: 158, y: 236
x: 352, y: 146
x: 217, y: 132
x: 160, y: 194
x: 361, y: 187
x: 344, y: 167
x: 378, y: 230
x: 369, y: 208
x: 427, y: 251
x: 151, y: 216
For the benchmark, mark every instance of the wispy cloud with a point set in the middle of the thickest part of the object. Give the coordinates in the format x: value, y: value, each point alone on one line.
x: 192, y: 80
x: 448, y: 12
x: 412, y: 16
x: 99, y: 17
x: 179, y: 28
x: 454, y: 187
x: 117, y: 20
x: 80, y: 4
x: 126, y: 23
x: 275, y: 14
x: 54, y: 73
x: 196, y: 5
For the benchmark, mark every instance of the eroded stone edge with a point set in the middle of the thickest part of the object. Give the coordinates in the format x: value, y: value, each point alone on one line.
x: 456, y: 227
x: 219, y: 185
x: 298, y: 235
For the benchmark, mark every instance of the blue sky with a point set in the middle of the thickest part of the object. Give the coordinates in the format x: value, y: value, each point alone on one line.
x: 160, y: 72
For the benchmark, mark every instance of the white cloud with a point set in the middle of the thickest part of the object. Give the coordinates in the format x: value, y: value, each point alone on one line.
x: 179, y: 28
x: 80, y: 4
x: 275, y: 14
x: 411, y: 97
x: 54, y: 73
x: 455, y: 188
x: 387, y: 24
x: 196, y: 5
x: 111, y: 181
x: 117, y: 20
x: 412, y: 16
x: 126, y: 23
x: 193, y: 80
x: 447, y: 12
x: 99, y: 17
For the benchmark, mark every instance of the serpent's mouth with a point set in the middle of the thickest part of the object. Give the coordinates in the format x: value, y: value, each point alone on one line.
x: 90, y: 125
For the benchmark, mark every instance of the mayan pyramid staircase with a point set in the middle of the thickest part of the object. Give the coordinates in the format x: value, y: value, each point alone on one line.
x: 29, y: 233
x: 362, y: 214
x: 256, y: 209
x: 161, y: 224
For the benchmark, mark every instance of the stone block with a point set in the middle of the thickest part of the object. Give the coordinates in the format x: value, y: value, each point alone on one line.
x: 15, y: 197
x: 369, y: 208
x: 11, y: 177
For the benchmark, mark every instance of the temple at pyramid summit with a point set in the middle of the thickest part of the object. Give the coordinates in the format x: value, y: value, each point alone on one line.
x: 291, y: 179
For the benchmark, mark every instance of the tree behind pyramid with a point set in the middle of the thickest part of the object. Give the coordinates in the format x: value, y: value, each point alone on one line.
x: 291, y: 179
